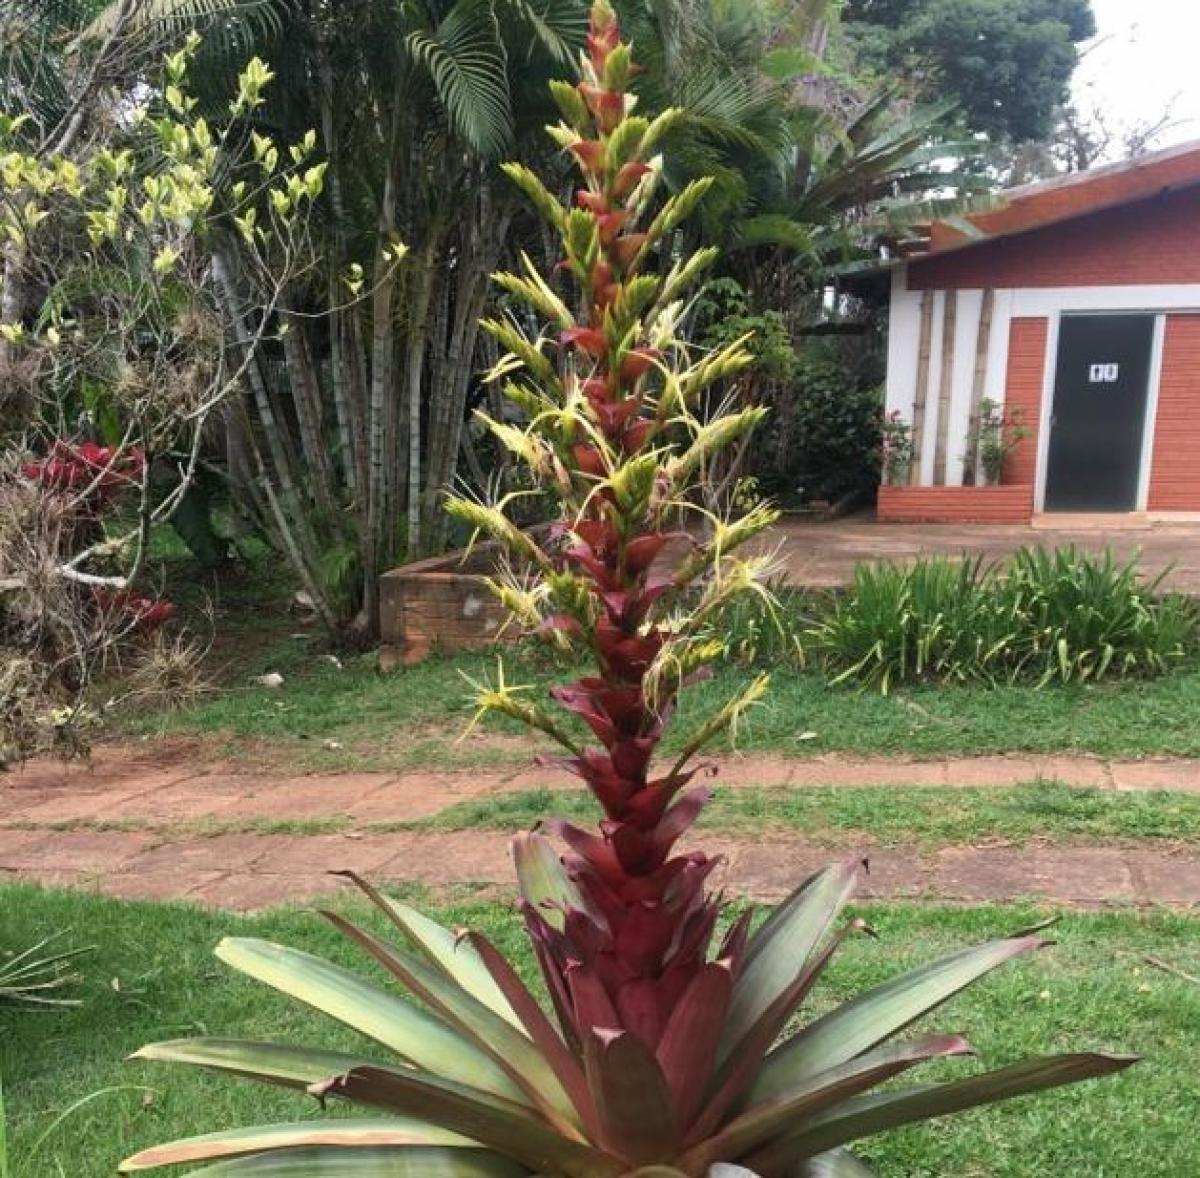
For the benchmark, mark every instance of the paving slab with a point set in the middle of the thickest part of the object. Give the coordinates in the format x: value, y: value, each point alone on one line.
x: 252, y: 891
x: 1075, y: 875
x: 222, y: 852
x: 180, y: 802
x: 256, y: 871
x: 14, y: 843
x: 1166, y: 879
x: 78, y: 850
x: 1085, y: 772
x: 1178, y: 776
x: 72, y: 805
x: 312, y: 796
x: 302, y: 855
x: 437, y: 858
x: 769, y: 870
x: 158, y: 885
x: 982, y: 772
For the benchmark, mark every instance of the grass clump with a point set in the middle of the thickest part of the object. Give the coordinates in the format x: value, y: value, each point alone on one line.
x: 1043, y: 618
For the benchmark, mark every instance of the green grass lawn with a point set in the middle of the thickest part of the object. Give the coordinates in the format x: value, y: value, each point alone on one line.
x: 152, y: 977
x: 412, y: 718
x: 1041, y: 811
x: 890, y: 816
x: 346, y: 716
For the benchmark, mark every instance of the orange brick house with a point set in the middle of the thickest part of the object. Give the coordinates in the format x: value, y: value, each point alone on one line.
x: 1076, y: 303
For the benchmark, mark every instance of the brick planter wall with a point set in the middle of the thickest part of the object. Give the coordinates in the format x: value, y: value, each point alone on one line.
x: 439, y: 602
x: 956, y: 505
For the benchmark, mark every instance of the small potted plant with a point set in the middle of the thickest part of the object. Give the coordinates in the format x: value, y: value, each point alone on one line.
x: 995, y: 434
x: 895, y: 450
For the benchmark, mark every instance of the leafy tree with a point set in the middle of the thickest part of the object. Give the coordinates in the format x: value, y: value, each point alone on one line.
x: 1007, y: 63
x: 114, y: 347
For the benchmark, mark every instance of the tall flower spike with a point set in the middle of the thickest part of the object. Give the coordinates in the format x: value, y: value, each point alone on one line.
x: 639, y: 938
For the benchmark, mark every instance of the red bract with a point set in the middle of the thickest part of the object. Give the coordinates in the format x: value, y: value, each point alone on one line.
x: 590, y: 153
x: 627, y: 177
x: 586, y: 339
x: 594, y: 202
x: 610, y: 225
x: 638, y: 362
x: 607, y: 106
x: 625, y: 250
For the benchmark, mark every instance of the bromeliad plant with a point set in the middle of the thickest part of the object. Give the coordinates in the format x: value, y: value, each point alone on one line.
x: 662, y: 1055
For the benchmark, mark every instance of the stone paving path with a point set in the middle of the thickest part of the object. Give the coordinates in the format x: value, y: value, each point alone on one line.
x: 825, y: 554
x: 130, y: 827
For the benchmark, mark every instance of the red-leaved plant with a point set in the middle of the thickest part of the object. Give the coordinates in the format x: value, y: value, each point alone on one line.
x: 664, y: 1056
x: 96, y: 474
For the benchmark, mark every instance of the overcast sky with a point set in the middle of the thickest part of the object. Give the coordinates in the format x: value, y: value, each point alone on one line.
x: 1144, y: 61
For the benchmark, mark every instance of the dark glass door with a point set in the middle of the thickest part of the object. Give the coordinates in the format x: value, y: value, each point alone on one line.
x: 1099, y: 417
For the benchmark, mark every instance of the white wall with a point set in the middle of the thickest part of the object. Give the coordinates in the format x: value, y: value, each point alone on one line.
x: 904, y: 339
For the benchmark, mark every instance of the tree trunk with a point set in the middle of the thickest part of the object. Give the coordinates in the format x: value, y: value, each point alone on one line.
x: 273, y: 429
x: 424, y: 281
x: 306, y: 398
x: 348, y: 407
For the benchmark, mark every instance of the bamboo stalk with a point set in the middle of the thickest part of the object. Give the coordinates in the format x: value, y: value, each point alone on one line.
x: 983, y: 343
x: 306, y: 401
x: 922, y: 391
x: 945, y: 388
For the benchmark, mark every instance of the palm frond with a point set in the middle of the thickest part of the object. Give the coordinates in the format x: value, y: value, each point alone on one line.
x: 775, y: 229
x: 557, y: 26
x: 258, y: 17
x: 466, y: 62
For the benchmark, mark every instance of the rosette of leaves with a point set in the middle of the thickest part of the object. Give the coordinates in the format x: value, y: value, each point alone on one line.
x: 659, y: 1053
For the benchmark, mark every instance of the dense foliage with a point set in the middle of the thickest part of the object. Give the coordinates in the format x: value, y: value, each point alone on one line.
x: 663, y: 1051
x: 822, y: 438
x: 1006, y: 63
x: 112, y: 374
x: 1044, y: 618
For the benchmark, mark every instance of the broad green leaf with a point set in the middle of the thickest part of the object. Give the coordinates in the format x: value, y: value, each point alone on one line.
x: 867, y: 1020
x: 777, y: 954
x: 272, y: 1063
x: 414, y: 1034
x: 633, y: 1102
x: 342, y: 1134
x: 452, y: 954
x: 326, y: 1162
x: 877, y: 1112
x: 764, y: 1122
x: 543, y: 880
x: 512, y: 1050
x: 499, y: 1124
x: 539, y: 1028
x: 835, y: 1164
